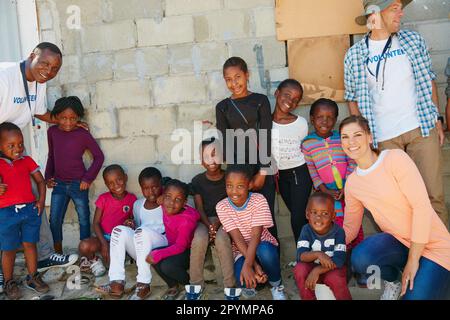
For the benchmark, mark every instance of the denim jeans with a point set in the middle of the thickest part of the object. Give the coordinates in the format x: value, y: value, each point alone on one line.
x: 62, y: 193
x: 390, y: 255
x: 267, y: 257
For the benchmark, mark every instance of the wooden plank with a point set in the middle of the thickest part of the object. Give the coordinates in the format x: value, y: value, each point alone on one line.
x: 318, y: 63
x: 317, y: 18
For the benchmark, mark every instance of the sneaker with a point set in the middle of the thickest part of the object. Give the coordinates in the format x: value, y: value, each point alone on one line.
x: 57, y: 260
x: 12, y: 290
x: 278, y: 293
x: 248, y: 293
x: 141, y: 292
x: 35, y: 283
x: 2, y: 282
x: 232, y: 293
x: 97, y: 267
x: 85, y: 265
x: 193, y: 292
x: 392, y: 290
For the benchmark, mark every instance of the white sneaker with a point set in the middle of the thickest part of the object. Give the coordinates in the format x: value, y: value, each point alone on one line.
x: 392, y: 290
x: 2, y: 282
x: 278, y: 293
x: 97, y: 267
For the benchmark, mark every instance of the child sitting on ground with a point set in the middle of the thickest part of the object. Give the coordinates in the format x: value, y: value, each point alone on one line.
x: 321, y: 251
x: 246, y: 217
x: 137, y: 238
x: 209, y: 189
x: 113, y: 208
x: 180, y: 221
x: 20, y: 211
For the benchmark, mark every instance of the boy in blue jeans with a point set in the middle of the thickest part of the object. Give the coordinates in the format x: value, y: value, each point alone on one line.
x: 20, y: 212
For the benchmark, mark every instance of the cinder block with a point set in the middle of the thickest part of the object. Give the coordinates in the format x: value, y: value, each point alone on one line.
x: 53, y: 94
x: 91, y: 11
x: 420, y: 10
x: 264, y: 19
x: 141, y: 63
x: 97, y: 67
x: 70, y: 73
x: 181, y: 7
x: 129, y: 151
x: 273, y: 51
x: 197, y: 58
x: 201, y: 28
x: 135, y: 9
x: 188, y: 171
x: 166, y: 144
x: 439, y: 63
x: 435, y: 34
x: 238, y: 4
x: 279, y: 74
x: 81, y: 91
x: 119, y: 94
x: 103, y: 124
x: 179, y: 89
x: 226, y: 25
x: 50, y: 36
x: 45, y: 15
x: 109, y: 37
x: 189, y: 113
x: 170, y: 30
x: 146, y: 121
x: 217, y: 89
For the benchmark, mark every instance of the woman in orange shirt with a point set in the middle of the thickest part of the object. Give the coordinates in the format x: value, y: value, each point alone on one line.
x: 412, y: 252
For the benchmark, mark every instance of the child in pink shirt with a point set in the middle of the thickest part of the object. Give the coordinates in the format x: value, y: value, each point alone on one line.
x: 113, y: 208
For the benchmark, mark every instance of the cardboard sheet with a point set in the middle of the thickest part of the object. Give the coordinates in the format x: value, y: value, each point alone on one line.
x: 318, y: 63
x: 317, y: 18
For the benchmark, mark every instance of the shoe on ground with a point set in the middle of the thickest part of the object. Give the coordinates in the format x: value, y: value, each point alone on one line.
x: 193, y: 292
x: 85, y: 265
x: 278, y: 293
x: 114, y: 289
x: 57, y: 260
x: 171, y: 293
x: 2, y: 282
x: 12, y: 290
x: 35, y: 283
x: 248, y: 293
x: 141, y: 292
x: 232, y: 293
x: 392, y: 290
x: 97, y: 267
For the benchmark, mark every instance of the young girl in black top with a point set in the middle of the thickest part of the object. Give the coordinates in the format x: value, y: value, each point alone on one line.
x: 251, y: 145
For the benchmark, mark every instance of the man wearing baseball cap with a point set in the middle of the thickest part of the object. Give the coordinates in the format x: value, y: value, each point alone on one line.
x: 389, y: 81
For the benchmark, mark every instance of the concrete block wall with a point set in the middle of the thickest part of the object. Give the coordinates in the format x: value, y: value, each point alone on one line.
x: 146, y: 67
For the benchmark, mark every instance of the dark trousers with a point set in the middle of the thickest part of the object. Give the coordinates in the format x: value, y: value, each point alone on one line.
x: 295, y: 188
x: 173, y: 270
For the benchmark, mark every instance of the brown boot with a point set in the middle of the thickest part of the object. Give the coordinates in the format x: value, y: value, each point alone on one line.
x: 142, y: 292
x: 12, y: 290
x: 114, y: 289
x: 35, y: 282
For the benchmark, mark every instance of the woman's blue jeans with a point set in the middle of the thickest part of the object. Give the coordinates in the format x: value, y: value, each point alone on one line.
x: 267, y: 257
x: 384, y: 251
x: 62, y: 193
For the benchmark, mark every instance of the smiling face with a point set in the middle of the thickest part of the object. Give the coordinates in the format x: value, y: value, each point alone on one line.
x: 287, y: 99
x: 67, y: 120
x: 323, y: 120
x: 356, y: 141
x: 44, y: 65
x: 236, y: 81
x: 11, y: 144
x: 320, y: 214
x: 210, y: 158
x: 237, y: 185
x: 151, y: 189
x: 116, y: 182
x: 174, y: 200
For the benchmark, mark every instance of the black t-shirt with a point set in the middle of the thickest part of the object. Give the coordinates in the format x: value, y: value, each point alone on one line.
x: 211, y: 192
x: 256, y: 110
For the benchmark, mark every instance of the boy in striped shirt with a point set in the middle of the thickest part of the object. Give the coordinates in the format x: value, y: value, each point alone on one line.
x: 246, y: 216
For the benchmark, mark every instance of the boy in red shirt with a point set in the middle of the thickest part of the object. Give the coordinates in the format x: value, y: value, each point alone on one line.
x: 19, y: 210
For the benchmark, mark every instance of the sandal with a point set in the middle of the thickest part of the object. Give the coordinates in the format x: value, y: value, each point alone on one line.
x: 171, y: 293
x: 107, y: 289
